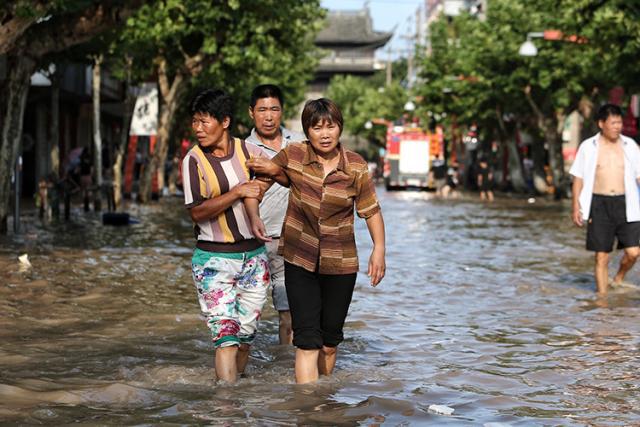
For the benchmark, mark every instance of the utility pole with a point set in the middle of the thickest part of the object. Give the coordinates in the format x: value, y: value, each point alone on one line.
x: 389, y: 67
x: 413, y: 37
x: 410, y: 36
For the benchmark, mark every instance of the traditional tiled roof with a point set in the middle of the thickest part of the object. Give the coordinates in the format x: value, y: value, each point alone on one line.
x: 352, y: 27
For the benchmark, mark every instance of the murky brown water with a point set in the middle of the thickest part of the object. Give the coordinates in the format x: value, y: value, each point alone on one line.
x: 486, y: 308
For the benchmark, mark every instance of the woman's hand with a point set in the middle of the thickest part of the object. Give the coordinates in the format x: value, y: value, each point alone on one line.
x: 263, y: 166
x: 259, y: 230
x: 377, y: 266
x: 249, y: 189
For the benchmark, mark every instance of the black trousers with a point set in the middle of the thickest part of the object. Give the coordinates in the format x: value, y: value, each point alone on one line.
x: 319, y: 304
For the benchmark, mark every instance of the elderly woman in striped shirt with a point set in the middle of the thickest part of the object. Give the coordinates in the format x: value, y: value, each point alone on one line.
x: 317, y: 241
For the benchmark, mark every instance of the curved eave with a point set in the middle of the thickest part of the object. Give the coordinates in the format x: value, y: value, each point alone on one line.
x: 375, y: 41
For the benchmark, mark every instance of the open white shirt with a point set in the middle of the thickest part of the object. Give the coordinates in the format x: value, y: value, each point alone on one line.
x: 584, y: 167
x: 276, y: 200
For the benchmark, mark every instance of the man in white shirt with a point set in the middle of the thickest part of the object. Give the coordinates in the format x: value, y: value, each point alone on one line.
x: 266, y: 111
x: 605, y: 194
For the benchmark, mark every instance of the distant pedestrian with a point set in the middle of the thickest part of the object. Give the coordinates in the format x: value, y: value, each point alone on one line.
x: 439, y: 171
x: 485, y: 180
x: 318, y: 244
x: 86, y: 181
x: 605, y: 173
x: 107, y: 189
x: 528, y: 172
x: 266, y: 109
x: 42, y: 199
x: 230, y: 267
x: 453, y: 180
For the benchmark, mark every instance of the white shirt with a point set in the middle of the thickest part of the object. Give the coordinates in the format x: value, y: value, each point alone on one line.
x: 584, y: 167
x: 275, y: 201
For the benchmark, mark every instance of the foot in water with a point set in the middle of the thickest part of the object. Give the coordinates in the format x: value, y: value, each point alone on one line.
x: 622, y: 285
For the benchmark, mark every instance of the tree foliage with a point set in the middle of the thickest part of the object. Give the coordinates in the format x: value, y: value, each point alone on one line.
x: 229, y: 44
x: 473, y: 69
x: 30, y: 31
x: 362, y: 100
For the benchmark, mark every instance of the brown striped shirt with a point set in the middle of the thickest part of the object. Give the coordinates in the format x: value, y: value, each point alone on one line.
x: 318, y: 230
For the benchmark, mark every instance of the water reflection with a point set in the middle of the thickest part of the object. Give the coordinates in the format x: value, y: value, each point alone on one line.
x: 487, y: 308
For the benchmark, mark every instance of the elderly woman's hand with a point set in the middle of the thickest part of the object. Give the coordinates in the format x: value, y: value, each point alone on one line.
x: 263, y: 166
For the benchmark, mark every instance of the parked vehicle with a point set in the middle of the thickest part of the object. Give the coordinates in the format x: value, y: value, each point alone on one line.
x: 408, y: 157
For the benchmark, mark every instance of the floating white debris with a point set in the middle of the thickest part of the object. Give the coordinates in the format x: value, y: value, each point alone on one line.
x: 531, y: 200
x: 441, y: 409
x: 24, y: 260
x: 496, y: 425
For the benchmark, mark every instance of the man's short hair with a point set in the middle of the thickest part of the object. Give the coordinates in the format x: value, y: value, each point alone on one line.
x: 608, y: 110
x: 266, y: 91
x: 214, y: 102
x: 318, y: 110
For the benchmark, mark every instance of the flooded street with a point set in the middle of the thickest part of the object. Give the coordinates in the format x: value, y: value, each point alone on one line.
x: 486, y: 308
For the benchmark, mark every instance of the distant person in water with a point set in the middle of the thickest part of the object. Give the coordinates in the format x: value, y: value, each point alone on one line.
x: 485, y: 180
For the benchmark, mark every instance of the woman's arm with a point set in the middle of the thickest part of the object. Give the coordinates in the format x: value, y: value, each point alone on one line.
x: 377, y: 266
x: 252, y: 206
x: 211, y: 208
x: 266, y: 167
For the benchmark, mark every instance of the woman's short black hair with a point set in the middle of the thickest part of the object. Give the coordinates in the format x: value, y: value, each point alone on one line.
x: 214, y: 102
x: 318, y: 110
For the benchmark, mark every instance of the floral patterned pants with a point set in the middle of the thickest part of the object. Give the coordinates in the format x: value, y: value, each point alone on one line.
x: 232, y: 288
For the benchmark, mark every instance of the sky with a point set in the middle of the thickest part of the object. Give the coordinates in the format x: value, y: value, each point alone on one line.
x: 385, y: 14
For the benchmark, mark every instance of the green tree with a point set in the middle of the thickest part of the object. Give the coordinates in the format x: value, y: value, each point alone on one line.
x: 30, y: 31
x: 473, y: 69
x: 231, y: 44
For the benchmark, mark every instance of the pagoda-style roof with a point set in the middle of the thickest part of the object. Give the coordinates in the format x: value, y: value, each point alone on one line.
x: 351, y: 27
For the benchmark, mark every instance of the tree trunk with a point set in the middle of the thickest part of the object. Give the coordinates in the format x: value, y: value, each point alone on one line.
x: 170, y: 98
x: 173, y: 176
x: 515, y: 165
x: 42, y: 149
x: 14, y: 99
x: 553, y: 136
x: 129, y: 105
x: 156, y: 164
x: 552, y: 131
x: 97, y: 135
x: 54, y: 124
x: 588, y: 126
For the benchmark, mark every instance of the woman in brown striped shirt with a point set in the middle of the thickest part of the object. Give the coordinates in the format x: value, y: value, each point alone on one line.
x: 317, y: 239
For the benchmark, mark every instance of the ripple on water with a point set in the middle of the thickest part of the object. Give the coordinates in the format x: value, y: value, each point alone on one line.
x: 486, y: 308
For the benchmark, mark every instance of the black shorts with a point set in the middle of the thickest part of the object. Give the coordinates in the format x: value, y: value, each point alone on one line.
x: 608, y: 221
x: 486, y: 186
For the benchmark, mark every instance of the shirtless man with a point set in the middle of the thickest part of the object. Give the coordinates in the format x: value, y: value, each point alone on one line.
x: 605, y: 194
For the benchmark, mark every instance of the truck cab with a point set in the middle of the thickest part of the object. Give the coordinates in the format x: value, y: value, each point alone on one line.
x: 408, y: 157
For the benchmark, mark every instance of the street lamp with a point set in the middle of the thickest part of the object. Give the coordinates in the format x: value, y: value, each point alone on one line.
x: 409, y: 106
x: 528, y: 48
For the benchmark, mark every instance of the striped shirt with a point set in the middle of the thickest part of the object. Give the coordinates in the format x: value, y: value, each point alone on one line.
x: 208, y: 176
x: 318, y: 232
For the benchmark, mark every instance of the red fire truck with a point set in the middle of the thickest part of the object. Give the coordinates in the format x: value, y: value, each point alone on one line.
x: 408, y: 156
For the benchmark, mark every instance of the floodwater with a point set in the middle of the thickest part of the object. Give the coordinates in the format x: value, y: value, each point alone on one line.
x: 487, y: 308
